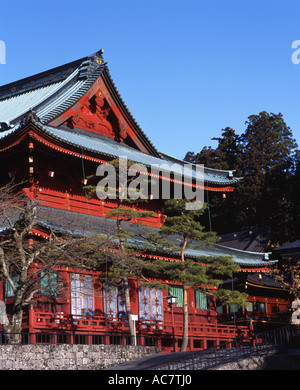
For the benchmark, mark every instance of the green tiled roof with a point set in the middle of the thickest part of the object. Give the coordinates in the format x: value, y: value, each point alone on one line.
x: 83, y: 224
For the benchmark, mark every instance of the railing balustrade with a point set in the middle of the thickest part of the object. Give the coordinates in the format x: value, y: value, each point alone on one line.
x: 54, y: 321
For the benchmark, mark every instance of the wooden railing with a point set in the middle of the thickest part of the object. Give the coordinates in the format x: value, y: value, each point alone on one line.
x: 77, y: 203
x: 41, y: 327
x: 104, y: 324
x: 52, y: 321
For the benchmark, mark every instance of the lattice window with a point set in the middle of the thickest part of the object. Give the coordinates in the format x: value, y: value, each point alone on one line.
x: 49, y: 284
x: 249, y: 306
x: 261, y: 307
x: 82, y: 295
x: 178, y: 292
x: 201, y: 300
x: 114, y: 302
x: 9, y: 290
x: 233, y: 307
x: 151, y: 304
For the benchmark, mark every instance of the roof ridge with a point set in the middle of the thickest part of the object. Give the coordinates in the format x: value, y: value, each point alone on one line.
x: 48, y: 76
x: 69, y: 85
x: 61, y: 71
x: 222, y: 172
x: 237, y: 250
x: 128, y: 112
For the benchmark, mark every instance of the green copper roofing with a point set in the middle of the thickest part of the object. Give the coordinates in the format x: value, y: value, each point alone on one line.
x: 103, y: 146
x: 83, y: 224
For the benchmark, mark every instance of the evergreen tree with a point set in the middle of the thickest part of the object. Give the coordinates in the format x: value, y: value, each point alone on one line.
x: 220, y: 214
x: 185, y: 223
x: 207, y: 157
x: 294, y: 190
x: 267, y: 165
x: 224, y: 156
x: 264, y: 157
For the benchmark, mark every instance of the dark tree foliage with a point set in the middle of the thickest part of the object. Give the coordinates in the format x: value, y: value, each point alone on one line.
x: 265, y: 156
x: 219, y: 216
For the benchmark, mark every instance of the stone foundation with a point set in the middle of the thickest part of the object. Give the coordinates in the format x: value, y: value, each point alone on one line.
x: 69, y: 357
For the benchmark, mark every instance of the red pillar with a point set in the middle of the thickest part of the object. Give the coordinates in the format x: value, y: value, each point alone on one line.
x: 1, y: 291
x: 31, y: 324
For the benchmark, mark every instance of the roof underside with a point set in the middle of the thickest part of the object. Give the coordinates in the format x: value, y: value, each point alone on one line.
x: 254, y: 240
x: 104, y: 146
x: 291, y: 250
x: 256, y: 279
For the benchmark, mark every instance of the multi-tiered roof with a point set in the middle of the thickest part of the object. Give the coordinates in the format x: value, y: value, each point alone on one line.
x: 76, y: 111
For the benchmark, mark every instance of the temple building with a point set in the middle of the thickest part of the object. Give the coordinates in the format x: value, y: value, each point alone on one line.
x: 268, y: 302
x: 57, y: 128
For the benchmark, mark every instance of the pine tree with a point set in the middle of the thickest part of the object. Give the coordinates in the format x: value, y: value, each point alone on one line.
x: 185, y: 223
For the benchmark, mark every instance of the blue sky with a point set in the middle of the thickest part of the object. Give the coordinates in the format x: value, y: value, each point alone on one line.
x: 186, y: 70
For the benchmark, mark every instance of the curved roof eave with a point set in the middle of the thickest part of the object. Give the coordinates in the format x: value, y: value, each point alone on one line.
x: 112, y: 149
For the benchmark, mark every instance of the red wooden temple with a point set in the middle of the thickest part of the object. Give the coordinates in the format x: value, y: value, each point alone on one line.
x: 56, y: 128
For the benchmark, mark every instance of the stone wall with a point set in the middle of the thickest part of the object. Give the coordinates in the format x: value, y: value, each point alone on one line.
x: 285, y: 357
x: 69, y: 357
x: 250, y: 363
